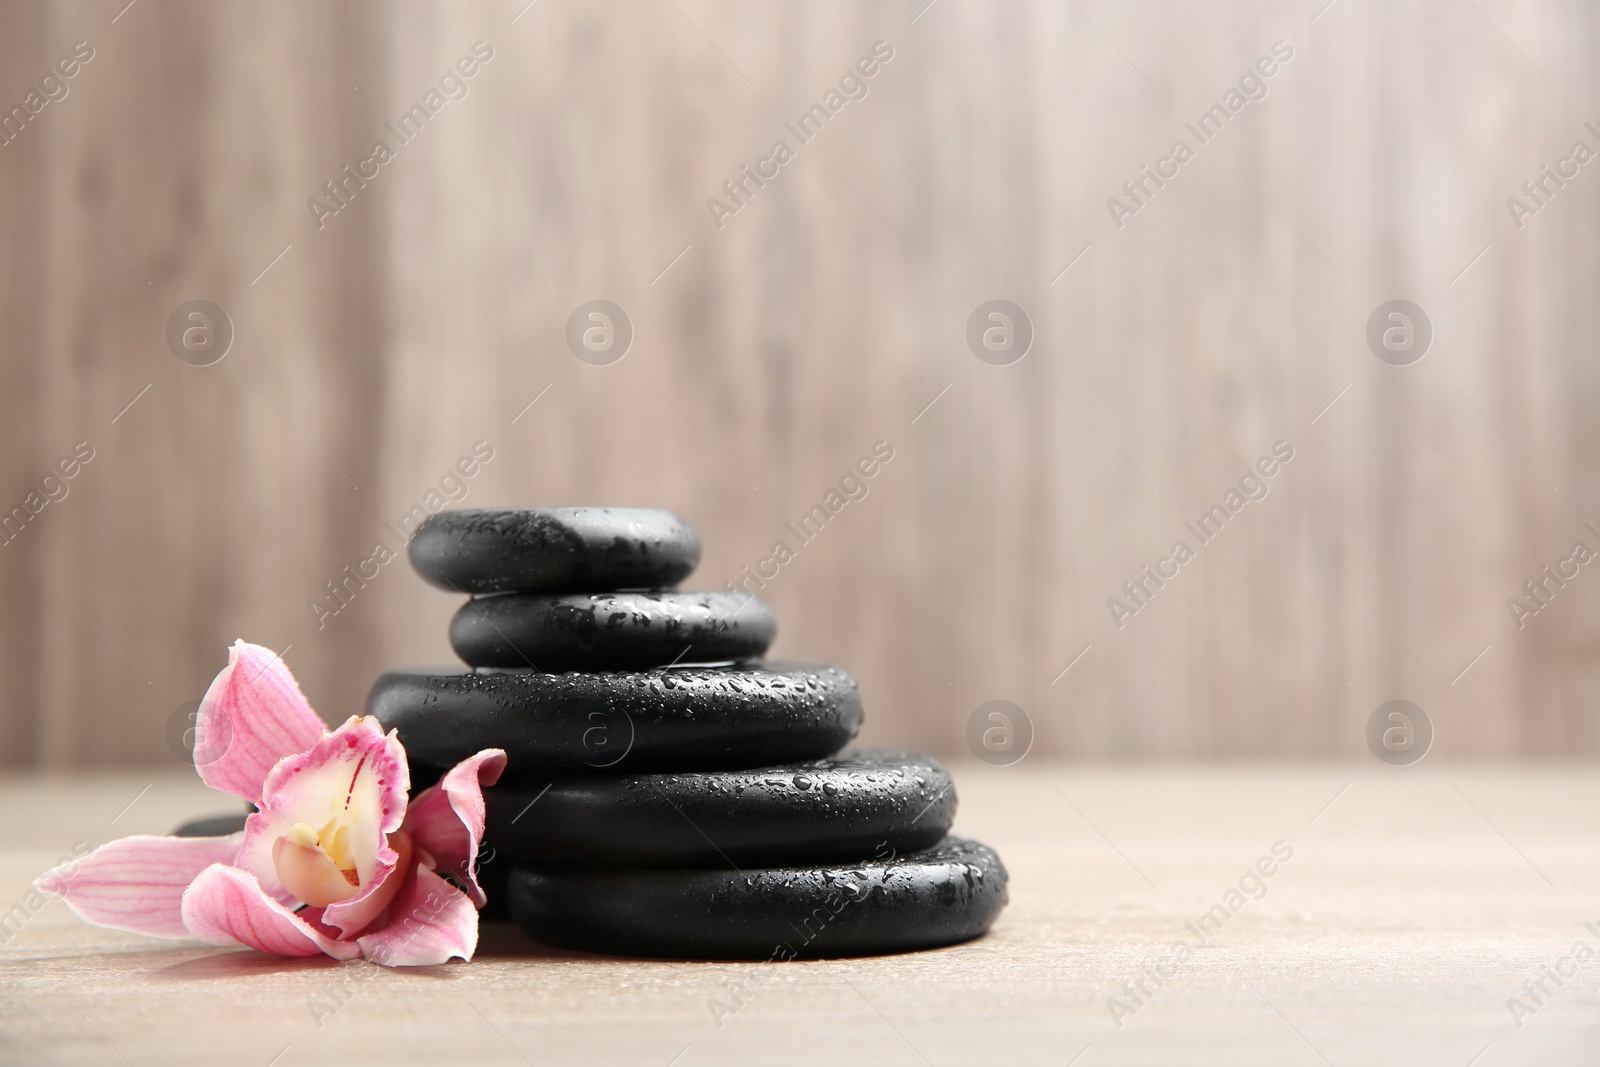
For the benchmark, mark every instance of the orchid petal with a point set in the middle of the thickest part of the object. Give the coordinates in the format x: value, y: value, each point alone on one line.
x: 429, y: 922
x: 252, y: 716
x: 226, y: 906
x: 352, y: 783
x: 137, y: 883
x: 446, y: 820
x: 261, y: 830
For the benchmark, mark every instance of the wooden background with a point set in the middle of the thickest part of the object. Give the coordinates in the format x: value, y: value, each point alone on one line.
x: 823, y: 317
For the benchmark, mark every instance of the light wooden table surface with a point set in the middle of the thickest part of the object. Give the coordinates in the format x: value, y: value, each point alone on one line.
x: 1417, y: 901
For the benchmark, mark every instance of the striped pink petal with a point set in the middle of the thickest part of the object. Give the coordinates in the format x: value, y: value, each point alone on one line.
x: 261, y: 830
x: 226, y: 906
x: 429, y: 922
x: 137, y: 883
x: 252, y: 716
x: 446, y: 820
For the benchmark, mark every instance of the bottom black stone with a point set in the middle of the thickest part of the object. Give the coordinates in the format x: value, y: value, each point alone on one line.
x: 940, y: 896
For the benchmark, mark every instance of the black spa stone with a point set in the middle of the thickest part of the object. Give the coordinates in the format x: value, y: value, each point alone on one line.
x: 493, y: 870
x: 554, y: 550
x: 696, y: 718
x: 213, y: 826
x: 610, y: 631
x: 819, y: 811
x: 943, y: 895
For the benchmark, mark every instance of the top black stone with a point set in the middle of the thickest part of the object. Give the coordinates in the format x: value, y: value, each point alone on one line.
x: 554, y: 550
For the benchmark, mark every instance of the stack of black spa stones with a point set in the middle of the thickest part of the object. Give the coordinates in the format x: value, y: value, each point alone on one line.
x: 667, y: 792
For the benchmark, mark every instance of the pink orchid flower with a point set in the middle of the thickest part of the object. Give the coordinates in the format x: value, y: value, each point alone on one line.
x: 334, y: 862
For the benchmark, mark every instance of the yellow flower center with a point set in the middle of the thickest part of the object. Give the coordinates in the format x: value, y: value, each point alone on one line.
x: 333, y: 841
x: 315, y: 866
